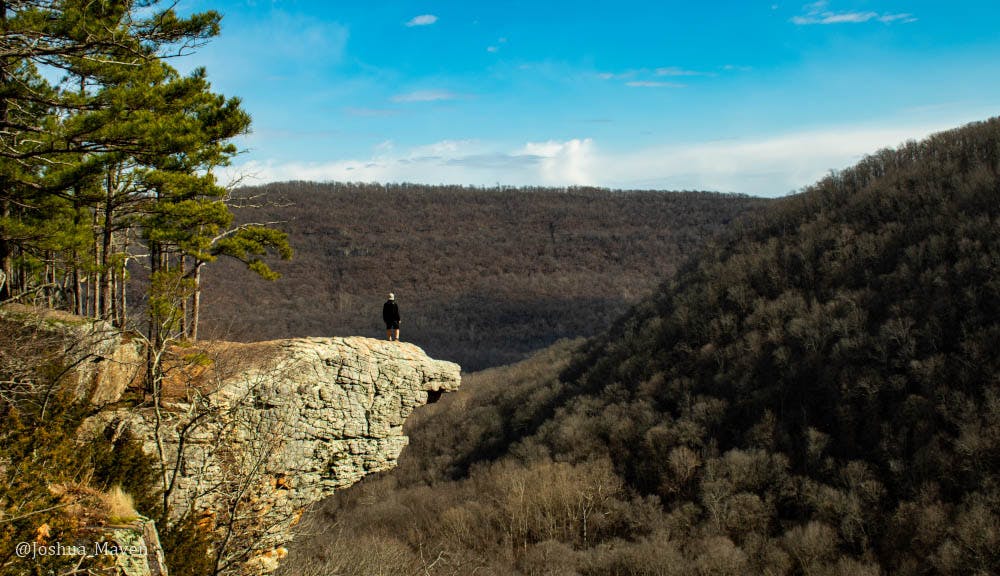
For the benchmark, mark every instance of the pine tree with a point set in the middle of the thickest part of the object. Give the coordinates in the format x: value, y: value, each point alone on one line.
x: 119, y: 151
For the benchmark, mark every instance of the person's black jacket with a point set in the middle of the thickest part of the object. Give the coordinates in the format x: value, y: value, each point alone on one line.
x: 390, y: 312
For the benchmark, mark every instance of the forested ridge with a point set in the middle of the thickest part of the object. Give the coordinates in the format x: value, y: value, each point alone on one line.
x: 483, y: 276
x: 818, y: 392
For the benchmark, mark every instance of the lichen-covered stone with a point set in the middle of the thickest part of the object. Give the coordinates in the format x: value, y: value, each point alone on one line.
x: 133, y: 549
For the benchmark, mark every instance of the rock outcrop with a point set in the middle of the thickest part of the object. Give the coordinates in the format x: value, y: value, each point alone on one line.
x: 254, y: 433
x: 100, y: 361
x: 250, y: 434
x: 133, y: 548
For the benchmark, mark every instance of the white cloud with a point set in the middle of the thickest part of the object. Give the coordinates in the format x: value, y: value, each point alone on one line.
x: 768, y: 166
x: 553, y: 163
x: 494, y: 48
x: 617, y: 75
x: 422, y: 20
x: 675, y: 71
x: 905, y: 18
x: 645, y: 77
x: 817, y: 13
x: 562, y: 163
x: 653, y: 84
x: 425, y: 96
x: 836, y: 18
x: 444, y: 149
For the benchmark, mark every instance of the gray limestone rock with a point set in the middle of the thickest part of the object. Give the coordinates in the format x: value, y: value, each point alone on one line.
x: 268, y: 428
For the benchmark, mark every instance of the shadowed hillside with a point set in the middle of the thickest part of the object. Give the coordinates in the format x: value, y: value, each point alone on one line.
x: 817, y: 393
x: 483, y: 276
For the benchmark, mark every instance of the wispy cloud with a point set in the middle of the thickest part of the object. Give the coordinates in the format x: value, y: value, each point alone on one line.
x: 906, y: 18
x: 675, y: 71
x: 493, y: 49
x: 616, y: 75
x: 653, y: 84
x: 422, y: 20
x: 818, y: 13
x: 425, y: 96
x: 647, y: 77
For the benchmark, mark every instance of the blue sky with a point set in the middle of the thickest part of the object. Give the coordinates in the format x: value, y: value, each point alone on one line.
x: 755, y: 97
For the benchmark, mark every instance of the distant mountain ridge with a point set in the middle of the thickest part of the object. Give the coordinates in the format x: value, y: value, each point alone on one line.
x: 483, y: 275
x: 818, y: 392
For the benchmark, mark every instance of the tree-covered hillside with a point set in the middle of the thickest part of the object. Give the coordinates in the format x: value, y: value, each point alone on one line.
x: 817, y: 393
x: 482, y: 276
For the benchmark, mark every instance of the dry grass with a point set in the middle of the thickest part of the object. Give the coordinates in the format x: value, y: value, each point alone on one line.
x: 120, y: 506
x: 203, y: 365
x: 90, y: 506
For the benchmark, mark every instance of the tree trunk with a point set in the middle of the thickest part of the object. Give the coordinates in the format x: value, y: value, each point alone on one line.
x: 196, y: 306
x: 6, y: 286
x: 185, y: 323
x: 22, y: 279
x: 77, y: 289
x: 50, y: 278
x: 98, y: 278
x: 6, y: 262
x: 123, y: 279
x: 107, y: 241
x: 152, y: 326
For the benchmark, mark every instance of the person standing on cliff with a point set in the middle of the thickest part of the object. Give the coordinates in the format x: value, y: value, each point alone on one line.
x: 390, y: 314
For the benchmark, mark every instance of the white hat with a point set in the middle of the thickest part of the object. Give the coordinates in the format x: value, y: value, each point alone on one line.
x: 392, y: 296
